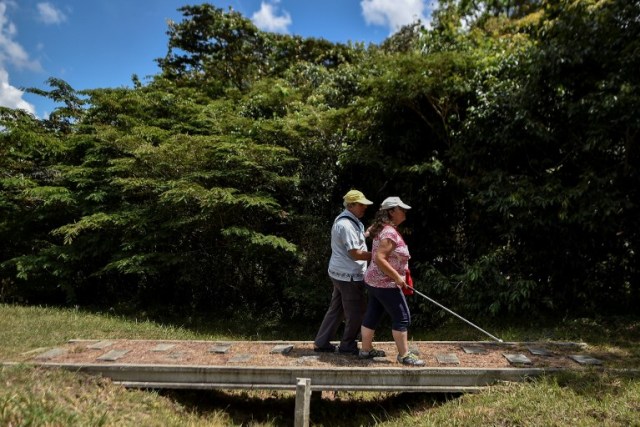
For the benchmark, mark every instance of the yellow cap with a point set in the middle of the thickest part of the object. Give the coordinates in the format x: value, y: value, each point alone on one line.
x: 355, y: 196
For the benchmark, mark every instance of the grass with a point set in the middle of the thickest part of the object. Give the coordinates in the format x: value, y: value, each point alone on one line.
x: 37, y: 397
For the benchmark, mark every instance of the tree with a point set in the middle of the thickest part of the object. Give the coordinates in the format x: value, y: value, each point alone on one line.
x: 510, y: 126
x: 548, y: 154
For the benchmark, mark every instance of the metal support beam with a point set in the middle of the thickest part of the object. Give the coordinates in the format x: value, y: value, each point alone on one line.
x: 391, y: 378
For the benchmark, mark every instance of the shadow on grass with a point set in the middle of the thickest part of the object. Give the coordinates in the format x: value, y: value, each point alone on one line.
x: 332, y: 408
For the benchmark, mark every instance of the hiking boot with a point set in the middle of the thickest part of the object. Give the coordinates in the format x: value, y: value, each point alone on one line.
x: 410, y: 359
x: 371, y: 354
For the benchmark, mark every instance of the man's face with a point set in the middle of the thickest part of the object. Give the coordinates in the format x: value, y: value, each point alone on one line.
x: 358, y: 209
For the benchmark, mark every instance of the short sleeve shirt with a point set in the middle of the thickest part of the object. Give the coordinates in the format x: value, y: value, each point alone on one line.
x: 399, y: 259
x: 347, y: 234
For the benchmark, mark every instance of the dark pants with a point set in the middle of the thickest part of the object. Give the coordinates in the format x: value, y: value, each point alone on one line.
x: 348, y: 303
x: 392, y: 301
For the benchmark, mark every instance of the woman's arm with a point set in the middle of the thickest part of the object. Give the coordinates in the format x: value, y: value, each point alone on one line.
x: 385, y: 248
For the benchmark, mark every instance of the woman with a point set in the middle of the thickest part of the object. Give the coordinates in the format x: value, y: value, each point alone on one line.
x: 385, y: 278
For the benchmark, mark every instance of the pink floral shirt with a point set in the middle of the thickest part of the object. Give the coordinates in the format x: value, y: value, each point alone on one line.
x: 399, y: 259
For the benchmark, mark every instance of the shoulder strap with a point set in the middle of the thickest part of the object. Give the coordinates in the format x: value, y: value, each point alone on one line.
x: 350, y: 219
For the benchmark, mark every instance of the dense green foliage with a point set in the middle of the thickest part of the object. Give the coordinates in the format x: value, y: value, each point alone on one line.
x: 511, y: 127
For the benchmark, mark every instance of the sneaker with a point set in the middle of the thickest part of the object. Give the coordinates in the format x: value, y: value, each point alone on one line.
x: 411, y: 360
x: 371, y: 354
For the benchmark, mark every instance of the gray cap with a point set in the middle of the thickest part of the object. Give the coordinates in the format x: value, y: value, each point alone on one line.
x: 392, y: 202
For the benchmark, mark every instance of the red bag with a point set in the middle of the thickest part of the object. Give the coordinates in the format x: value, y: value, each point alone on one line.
x: 408, y: 290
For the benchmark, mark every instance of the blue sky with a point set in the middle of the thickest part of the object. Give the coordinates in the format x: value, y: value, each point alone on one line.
x: 102, y: 43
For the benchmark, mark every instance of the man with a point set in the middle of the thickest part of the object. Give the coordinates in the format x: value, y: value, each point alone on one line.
x: 349, y: 256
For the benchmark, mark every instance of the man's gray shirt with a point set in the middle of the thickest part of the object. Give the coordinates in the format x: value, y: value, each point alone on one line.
x: 346, y: 236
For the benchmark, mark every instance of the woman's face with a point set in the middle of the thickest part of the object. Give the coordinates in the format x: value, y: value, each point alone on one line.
x: 398, y: 215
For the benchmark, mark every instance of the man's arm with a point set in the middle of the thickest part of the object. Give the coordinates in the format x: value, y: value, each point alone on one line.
x: 355, y: 254
x: 360, y: 255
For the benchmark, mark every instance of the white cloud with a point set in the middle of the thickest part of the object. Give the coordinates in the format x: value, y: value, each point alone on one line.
x: 10, y: 50
x: 266, y: 18
x: 48, y: 14
x: 394, y: 13
x: 12, y: 53
x: 11, y: 96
